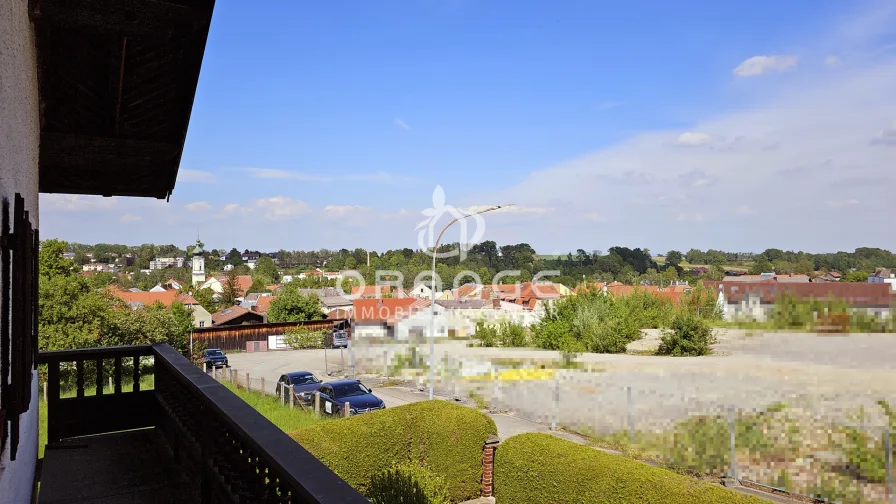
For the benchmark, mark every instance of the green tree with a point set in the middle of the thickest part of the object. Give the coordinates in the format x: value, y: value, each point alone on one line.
x: 206, y: 298
x: 51, y: 261
x: 71, y: 313
x: 673, y: 259
x: 855, y: 276
x: 265, y: 268
x: 183, y: 326
x: 688, y: 335
x: 291, y: 305
x: 760, y: 265
x: 231, y: 289
x: 258, y: 285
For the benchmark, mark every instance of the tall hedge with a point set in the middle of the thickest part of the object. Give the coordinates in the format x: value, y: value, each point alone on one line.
x: 541, y: 468
x: 445, y: 438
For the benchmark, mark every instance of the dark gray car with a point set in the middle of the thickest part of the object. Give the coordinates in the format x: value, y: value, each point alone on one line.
x: 303, y: 382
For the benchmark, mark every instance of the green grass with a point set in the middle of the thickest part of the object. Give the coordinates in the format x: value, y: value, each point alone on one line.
x: 147, y: 382
x: 288, y: 420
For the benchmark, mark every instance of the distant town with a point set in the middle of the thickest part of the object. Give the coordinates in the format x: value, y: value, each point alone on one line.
x: 388, y: 294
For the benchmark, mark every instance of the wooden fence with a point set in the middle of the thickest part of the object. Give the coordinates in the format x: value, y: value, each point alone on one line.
x: 236, y: 337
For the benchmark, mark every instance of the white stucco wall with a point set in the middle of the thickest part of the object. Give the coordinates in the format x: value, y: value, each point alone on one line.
x: 19, y: 136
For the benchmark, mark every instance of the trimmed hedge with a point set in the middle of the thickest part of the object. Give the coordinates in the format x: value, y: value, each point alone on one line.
x: 541, y: 468
x: 445, y: 438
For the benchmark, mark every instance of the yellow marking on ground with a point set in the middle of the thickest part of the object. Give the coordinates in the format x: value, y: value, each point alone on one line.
x: 517, y: 375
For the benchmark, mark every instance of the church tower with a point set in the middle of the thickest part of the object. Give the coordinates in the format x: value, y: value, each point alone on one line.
x: 198, y: 264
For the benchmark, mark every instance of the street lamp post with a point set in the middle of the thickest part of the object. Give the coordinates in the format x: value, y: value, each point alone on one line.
x: 432, y: 294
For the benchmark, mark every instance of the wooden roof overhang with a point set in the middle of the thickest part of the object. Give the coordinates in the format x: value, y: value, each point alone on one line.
x: 116, y: 80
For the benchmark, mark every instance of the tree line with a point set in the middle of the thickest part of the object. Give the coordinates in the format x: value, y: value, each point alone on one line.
x: 483, y: 261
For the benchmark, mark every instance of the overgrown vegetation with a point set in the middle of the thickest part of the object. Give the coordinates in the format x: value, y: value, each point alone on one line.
x: 595, y: 322
x: 302, y: 338
x: 407, y: 483
x: 795, y: 314
x: 505, y: 334
x: 290, y: 305
x: 541, y: 468
x: 446, y: 438
x: 688, y: 335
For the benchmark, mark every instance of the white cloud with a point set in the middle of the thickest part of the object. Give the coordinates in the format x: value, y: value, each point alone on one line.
x: 196, y: 176
x: 758, y: 65
x: 230, y: 208
x: 199, y: 206
x: 703, y: 182
x: 342, y: 210
x: 130, y: 218
x: 76, y: 202
x: 887, y: 136
x: 269, y: 173
x: 401, y: 124
x: 842, y: 203
x: 693, y: 139
x: 832, y: 61
x: 595, y: 217
x: 746, y: 210
x: 281, y: 208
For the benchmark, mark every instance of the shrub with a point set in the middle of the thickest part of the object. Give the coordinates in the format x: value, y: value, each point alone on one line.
x: 407, y: 483
x: 512, y: 334
x: 301, y: 338
x: 446, y: 438
x: 541, y: 468
x: 486, y: 334
x: 689, y: 335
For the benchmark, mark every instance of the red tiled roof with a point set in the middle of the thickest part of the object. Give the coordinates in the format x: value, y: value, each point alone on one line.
x: 263, y: 304
x: 371, y: 290
x: 340, y: 313
x: 876, y: 295
x: 386, y: 309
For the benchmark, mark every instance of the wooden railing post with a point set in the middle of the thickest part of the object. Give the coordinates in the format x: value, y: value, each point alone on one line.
x: 316, y: 403
x: 346, y: 410
x: 262, y: 386
x: 52, y: 401
x: 248, y: 383
x: 292, y: 396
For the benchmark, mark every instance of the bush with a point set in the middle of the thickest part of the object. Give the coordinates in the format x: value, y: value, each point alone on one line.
x: 541, y: 468
x: 689, y: 335
x: 486, y: 334
x: 301, y: 338
x: 407, y: 483
x: 446, y: 438
x: 512, y: 334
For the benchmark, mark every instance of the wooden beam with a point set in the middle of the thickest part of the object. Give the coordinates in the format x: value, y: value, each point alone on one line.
x: 125, y: 17
x: 105, y: 166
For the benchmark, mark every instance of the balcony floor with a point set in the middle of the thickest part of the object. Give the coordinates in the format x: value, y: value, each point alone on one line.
x: 133, y: 467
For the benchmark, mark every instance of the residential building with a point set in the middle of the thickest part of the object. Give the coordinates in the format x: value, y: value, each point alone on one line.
x: 768, y: 277
x: 108, y: 268
x: 166, y: 262
x: 216, y: 284
x: 755, y: 300
x: 250, y: 300
x: 330, y: 298
x: 250, y: 256
x: 420, y: 290
x: 378, y: 317
x: 236, y: 315
x: 883, y: 275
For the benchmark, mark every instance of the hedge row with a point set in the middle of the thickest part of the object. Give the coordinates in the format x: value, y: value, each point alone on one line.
x: 445, y: 438
x: 541, y: 468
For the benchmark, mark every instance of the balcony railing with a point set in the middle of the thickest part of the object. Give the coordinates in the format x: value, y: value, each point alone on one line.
x: 231, y: 452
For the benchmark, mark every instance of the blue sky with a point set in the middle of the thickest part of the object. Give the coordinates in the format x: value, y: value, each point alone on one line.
x: 737, y: 126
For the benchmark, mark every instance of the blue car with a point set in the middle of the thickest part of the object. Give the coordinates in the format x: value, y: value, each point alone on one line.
x: 303, y: 382
x: 215, y: 358
x: 360, y: 399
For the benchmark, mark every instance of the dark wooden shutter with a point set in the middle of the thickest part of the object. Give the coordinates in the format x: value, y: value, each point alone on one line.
x: 18, y: 317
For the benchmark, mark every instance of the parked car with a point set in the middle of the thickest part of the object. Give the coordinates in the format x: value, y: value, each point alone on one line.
x: 337, y: 339
x: 360, y: 399
x: 215, y: 358
x: 304, y: 384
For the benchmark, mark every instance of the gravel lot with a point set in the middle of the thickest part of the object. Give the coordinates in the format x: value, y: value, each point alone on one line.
x: 830, y: 376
